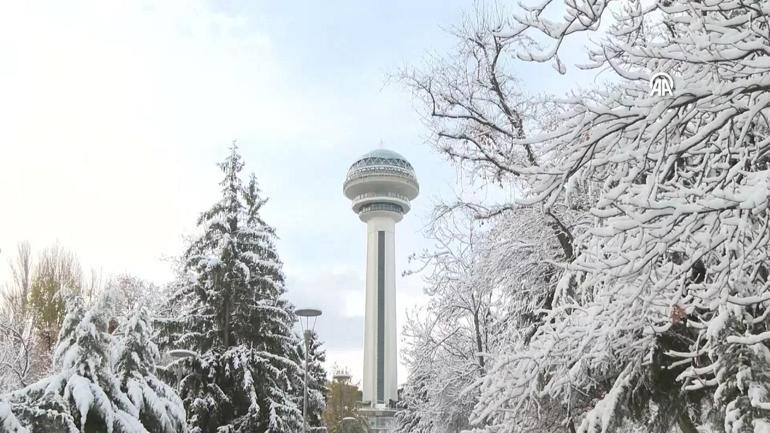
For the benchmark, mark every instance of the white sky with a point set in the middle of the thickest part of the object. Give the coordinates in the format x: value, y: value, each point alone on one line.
x: 114, y: 114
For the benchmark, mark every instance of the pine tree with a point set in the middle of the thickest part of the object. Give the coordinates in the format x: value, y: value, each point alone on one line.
x: 84, y: 395
x: 135, y: 354
x: 8, y: 422
x: 317, y: 389
x: 243, y: 377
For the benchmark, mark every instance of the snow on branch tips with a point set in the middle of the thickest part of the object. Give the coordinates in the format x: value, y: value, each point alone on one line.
x: 640, y: 228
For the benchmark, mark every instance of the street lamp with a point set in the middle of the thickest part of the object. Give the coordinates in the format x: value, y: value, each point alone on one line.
x: 307, y: 329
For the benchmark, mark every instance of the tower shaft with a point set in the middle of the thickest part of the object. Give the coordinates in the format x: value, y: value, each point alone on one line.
x: 380, y: 361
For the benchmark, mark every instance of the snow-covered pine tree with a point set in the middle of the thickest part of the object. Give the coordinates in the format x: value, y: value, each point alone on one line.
x: 134, y: 357
x: 316, y: 382
x: 84, y: 395
x: 231, y: 314
x: 8, y: 422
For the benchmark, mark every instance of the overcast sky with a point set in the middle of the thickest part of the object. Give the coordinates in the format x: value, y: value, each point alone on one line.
x: 114, y: 114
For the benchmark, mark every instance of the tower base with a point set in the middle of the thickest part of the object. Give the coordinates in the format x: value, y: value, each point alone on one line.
x: 380, y: 419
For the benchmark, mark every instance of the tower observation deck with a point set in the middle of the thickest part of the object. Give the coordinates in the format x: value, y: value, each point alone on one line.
x: 381, y: 186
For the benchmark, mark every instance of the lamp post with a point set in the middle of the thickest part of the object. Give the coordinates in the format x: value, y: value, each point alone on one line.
x: 307, y: 328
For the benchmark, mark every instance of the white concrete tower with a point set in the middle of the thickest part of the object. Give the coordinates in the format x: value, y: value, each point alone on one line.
x: 381, y: 185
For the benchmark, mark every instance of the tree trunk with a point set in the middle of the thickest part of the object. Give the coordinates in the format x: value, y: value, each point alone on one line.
x: 685, y: 423
x: 226, y: 310
x: 479, y: 344
x: 227, y: 323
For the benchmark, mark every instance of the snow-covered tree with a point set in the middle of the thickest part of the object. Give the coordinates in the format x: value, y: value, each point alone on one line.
x: 448, y: 340
x: 658, y: 318
x: 489, y: 282
x: 317, y: 380
x: 83, y: 395
x: 129, y: 291
x: 134, y: 357
x: 414, y: 414
x: 24, y: 358
x: 17, y: 349
x: 8, y: 422
x: 232, y: 318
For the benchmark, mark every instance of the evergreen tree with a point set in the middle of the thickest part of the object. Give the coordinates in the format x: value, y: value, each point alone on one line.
x: 85, y: 395
x: 316, y: 382
x: 8, y: 422
x: 230, y: 313
x: 135, y: 355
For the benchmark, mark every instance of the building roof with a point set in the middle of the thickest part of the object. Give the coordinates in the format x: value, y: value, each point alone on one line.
x: 384, y: 153
x: 382, y: 157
